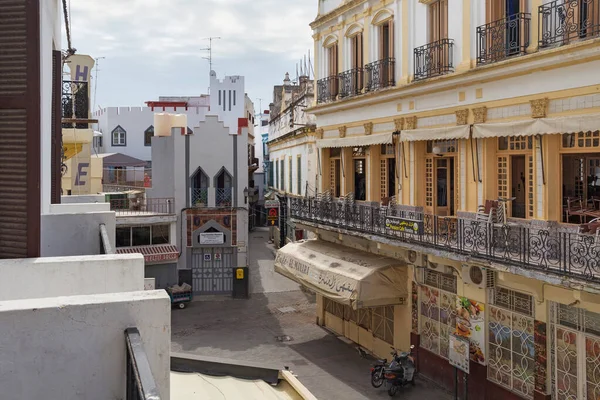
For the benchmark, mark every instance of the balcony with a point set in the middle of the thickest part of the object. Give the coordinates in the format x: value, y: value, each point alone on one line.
x: 504, y: 38
x: 75, y: 105
x: 380, y: 74
x: 434, y: 59
x: 554, y: 249
x: 562, y: 22
x: 327, y: 89
x: 351, y: 82
x: 139, y: 206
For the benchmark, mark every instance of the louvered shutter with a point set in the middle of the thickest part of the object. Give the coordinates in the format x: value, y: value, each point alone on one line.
x: 56, y: 159
x: 19, y: 129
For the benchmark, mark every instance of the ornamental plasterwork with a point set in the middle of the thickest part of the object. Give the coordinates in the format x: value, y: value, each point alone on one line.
x: 410, y: 123
x: 539, y: 107
x: 368, y: 128
x: 342, y: 130
x: 462, y: 116
x: 319, y: 133
x: 399, y: 124
x: 480, y: 114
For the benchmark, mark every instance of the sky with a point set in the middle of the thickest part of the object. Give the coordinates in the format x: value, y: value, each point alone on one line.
x: 154, y: 47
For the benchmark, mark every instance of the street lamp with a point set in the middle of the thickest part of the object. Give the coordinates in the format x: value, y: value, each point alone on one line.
x: 245, y: 195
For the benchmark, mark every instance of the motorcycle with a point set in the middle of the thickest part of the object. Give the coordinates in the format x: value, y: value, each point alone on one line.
x: 378, y: 368
x: 400, y: 372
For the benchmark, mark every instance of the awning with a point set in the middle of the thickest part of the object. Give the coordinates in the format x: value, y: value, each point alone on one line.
x: 452, y: 132
x: 153, y: 253
x: 539, y: 126
x: 344, y: 274
x: 356, y: 141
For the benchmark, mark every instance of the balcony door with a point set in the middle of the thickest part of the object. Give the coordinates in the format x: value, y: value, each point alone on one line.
x: 504, y: 37
x: 438, y: 21
x: 332, y: 64
x: 386, y: 52
x: 356, y: 62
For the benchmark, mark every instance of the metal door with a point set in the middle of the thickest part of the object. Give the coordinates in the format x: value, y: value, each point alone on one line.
x: 212, y: 270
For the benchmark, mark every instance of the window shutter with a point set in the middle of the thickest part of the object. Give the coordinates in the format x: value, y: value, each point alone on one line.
x: 56, y: 129
x: 19, y: 129
x: 391, y: 37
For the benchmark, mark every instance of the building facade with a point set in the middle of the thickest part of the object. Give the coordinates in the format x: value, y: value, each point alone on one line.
x: 461, y: 138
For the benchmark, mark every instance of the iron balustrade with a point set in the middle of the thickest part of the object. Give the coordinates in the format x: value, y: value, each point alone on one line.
x: 200, y: 196
x: 434, y: 59
x: 503, y: 38
x: 140, y: 383
x: 351, y: 82
x: 75, y: 103
x: 380, y: 74
x: 327, y: 89
x: 552, y: 250
x: 562, y: 21
x: 223, y: 197
x: 140, y: 206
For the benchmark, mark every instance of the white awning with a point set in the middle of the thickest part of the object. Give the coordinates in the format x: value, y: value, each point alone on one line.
x: 539, y: 126
x: 452, y: 132
x: 344, y: 274
x: 356, y: 141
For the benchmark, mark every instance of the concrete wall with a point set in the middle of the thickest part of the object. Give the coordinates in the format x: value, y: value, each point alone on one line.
x: 79, y: 208
x: 164, y: 274
x: 89, y: 198
x: 74, y: 347
x: 31, y: 278
x: 227, y: 100
x: 75, y: 234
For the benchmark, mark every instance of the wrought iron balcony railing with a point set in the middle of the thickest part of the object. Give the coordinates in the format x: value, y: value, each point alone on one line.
x: 380, y: 74
x: 503, y: 38
x: 327, y: 89
x: 351, y: 82
x: 553, y: 250
x: 223, y: 197
x: 75, y: 103
x: 562, y: 21
x: 142, y: 206
x: 199, y: 197
x: 434, y: 59
x: 140, y: 383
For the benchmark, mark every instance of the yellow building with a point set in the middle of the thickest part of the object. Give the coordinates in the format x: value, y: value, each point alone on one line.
x: 461, y: 138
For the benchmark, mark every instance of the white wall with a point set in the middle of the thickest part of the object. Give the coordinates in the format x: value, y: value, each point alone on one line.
x: 74, y: 347
x: 231, y: 103
x: 309, y: 165
x: 31, y: 278
x: 50, y: 39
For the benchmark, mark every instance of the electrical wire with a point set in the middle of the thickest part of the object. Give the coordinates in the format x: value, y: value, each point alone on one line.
x: 70, y: 49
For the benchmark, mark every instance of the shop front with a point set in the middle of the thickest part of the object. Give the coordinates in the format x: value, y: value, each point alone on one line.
x: 360, y: 296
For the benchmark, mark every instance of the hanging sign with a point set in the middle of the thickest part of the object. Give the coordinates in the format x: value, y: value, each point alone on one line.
x: 398, y: 224
x: 273, y: 216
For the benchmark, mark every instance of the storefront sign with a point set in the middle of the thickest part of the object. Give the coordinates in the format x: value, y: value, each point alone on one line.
x: 208, y: 238
x: 273, y: 216
x: 398, y: 224
x: 470, y: 324
x: 271, y: 203
x: 153, y: 258
x: 458, y: 354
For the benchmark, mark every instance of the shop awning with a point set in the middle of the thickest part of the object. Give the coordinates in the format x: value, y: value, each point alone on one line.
x: 447, y: 133
x: 356, y: 141
x: 539, y: 126
x: 153, y: 253
x: 343, y: 274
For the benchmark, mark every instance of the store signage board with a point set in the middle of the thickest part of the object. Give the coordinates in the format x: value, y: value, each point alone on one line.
x: 398, y: 224
x: 458, y: 354
x: 273, y: 216
x: 208, y: 238
x: 271, y: 203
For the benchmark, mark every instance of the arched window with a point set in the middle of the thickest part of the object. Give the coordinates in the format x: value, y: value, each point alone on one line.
x: 148, y: 133
x: 119, y: 136
x: 224, y: 188
x: 199, y: 185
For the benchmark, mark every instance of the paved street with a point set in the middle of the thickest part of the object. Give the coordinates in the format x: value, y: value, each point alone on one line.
x: 277, y: 327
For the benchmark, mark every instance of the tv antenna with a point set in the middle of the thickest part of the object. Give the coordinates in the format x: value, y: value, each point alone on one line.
x: 209, y: 49
x: 97, y: 65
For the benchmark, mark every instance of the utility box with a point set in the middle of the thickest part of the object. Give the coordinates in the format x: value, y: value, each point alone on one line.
x: 240, y: 283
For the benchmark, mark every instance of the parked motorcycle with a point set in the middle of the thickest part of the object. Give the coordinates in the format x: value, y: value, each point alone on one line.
x: 400, y: 372
x: 378, y: 368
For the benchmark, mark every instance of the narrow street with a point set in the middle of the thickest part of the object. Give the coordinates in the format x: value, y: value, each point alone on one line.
x: 276, y: 327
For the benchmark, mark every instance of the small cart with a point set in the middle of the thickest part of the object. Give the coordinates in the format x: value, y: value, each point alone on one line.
x: 180, y: 298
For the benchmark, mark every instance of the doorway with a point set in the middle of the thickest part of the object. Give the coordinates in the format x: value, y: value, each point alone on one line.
x: 391, y: 177
x: 444, y: 186
x: 518, y: 180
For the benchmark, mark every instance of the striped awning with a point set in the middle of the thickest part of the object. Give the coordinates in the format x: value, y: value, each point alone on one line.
x: 356, y: 141
x: 153, y: 254
x: 539, y: 126
x: 444, y: 133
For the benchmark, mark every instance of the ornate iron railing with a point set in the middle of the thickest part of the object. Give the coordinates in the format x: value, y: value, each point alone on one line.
x: 552, y: 250
x: 351, y: 82
x: 380, y: 74
x: 327, y: 89
x: 200, y: 197
x: 142, y: 205
x: 223, y: 197
x: 75, y: 103
x: 434, y: 59
x: 562, y: 21
x: 140, y: 383
x: 503, y: 38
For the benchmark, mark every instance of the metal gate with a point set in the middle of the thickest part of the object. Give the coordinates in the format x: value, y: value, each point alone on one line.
x: 212, y: 270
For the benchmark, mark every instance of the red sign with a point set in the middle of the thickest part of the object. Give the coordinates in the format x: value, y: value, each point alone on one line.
x: 161, y: 257
x: 273, y: 216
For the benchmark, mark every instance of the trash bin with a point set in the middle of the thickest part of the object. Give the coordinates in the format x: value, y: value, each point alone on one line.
x: 240, y: 283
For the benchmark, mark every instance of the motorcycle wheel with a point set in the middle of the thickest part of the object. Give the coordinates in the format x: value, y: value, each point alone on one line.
x: 377, y: 378
x: 392, y: 390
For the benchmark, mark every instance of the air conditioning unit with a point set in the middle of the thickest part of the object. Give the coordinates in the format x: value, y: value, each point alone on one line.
x: 417, y: 259
x: 441, y: 268
x: 479, y: 276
